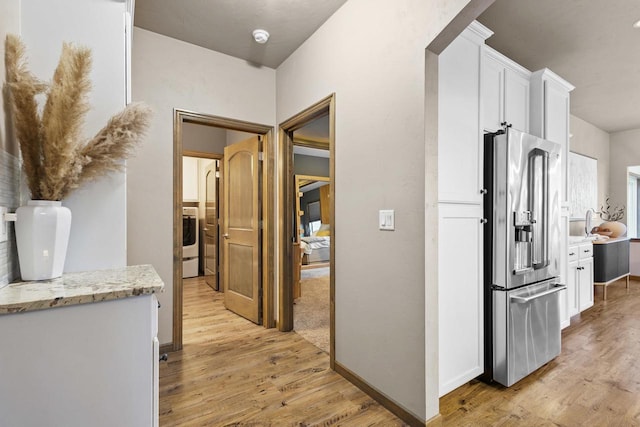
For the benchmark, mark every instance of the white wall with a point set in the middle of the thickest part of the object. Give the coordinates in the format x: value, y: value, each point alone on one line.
x: 592, y: 141
x: 169, y: 74
x: 624, y: 152
x: 98, y: 229
x: 371, y: 54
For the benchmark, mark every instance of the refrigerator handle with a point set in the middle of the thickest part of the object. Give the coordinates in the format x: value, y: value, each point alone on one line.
x: 525, y: 300
x: 539, y: 208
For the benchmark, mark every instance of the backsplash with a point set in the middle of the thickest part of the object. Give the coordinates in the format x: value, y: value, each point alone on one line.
x: 9, y: 197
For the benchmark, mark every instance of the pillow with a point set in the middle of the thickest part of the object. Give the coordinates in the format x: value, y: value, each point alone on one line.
x: 324, y: 230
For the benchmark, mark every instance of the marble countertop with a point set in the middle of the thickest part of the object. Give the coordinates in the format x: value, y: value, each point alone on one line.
x: 80, y: 288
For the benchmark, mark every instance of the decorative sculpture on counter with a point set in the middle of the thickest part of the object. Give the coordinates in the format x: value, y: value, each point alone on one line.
x: 612, y: 227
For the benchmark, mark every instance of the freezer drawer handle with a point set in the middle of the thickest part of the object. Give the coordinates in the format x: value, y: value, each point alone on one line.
x: 524, y: 300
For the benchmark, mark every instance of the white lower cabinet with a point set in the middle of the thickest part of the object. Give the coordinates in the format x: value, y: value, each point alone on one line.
x: 585, y: 283
x: 580, y: 278
x: 81, y: 365
x: 461, y: 346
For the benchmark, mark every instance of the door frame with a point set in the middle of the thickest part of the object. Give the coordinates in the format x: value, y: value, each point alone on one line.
x: 286, y: 206
x: 181, y: 116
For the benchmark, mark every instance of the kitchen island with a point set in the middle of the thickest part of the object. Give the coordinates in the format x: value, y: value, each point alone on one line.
x: 81, y: 350
x: 611, y: 262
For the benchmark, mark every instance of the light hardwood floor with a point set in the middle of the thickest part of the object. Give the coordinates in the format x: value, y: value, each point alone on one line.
x: 232, y: 372
x: 594, y: 382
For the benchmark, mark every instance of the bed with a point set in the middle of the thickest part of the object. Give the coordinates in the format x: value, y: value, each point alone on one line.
x: 315, y: 249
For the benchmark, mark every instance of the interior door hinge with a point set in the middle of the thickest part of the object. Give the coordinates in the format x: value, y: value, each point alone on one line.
x: 261, y: 156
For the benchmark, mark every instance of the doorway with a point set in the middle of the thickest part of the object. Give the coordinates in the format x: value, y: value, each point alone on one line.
x: 255, y: 160
x: 298, y: 222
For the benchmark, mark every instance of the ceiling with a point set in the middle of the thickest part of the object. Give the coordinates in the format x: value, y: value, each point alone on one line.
x: 591, y: 44
x: 226, y: 25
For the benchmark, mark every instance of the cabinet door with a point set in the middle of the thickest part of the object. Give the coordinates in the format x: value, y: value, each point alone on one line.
x: 586, y: 283
x: 459, y: 148
x: 492, y: 93
x: 556, y: 125
x: 461, y: 351
x: 516, y: 100
x: 573, y: 303
x: 190, y: 179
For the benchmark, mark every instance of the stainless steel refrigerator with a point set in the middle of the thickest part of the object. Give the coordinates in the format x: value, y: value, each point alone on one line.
x: 522, y: 254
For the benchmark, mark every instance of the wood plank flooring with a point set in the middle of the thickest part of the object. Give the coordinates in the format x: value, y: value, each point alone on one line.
x: 234, y: 373
x: 594, y: 382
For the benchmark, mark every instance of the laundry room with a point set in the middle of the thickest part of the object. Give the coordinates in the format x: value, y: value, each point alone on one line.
x: 202, y: 199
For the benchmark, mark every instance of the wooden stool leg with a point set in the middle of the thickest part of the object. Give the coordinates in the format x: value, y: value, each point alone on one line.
x: 627, y: 282
x: 605, y: 292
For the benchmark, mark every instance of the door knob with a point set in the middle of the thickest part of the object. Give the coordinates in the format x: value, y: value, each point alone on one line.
x: 225, y: 235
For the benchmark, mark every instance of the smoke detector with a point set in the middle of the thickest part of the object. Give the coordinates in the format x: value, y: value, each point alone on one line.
x: 260, y: 36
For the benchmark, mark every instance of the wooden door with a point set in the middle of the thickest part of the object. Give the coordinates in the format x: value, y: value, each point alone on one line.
x: 211, y: 274
x: 241, y: 229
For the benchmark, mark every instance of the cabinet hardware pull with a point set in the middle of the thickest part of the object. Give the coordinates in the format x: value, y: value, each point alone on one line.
x: 483, y: 220
x: 572, y: 254
x: 586, y: 251
x: 164, y: 357
x: 483, y: 191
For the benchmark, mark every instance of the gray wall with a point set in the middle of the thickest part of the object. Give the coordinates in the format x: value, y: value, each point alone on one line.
x: 309, y: 165
x: 9, y: 162
x: 206, y: 139
x: 625, y: 152
x: 380, y: 164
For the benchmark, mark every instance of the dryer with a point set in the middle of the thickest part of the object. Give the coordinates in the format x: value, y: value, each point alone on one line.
x: 190, y: 246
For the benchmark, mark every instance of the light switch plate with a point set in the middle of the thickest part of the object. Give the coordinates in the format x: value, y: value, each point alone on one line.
x: 387, y: 220
x: 4, y: 225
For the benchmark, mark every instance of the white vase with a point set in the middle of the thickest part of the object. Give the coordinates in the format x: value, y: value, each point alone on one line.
x: 42, y: 235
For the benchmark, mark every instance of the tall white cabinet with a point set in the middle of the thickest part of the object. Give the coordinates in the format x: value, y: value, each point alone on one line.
x: 479, y: 90
x: 460, y: 298
x: 550, y: 102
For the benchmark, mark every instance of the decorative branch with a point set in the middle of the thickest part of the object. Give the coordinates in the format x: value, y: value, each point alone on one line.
x: 607, y: 213
x: 55, y: 159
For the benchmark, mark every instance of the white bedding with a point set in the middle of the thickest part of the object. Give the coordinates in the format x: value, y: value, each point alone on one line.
x: 309, y: 243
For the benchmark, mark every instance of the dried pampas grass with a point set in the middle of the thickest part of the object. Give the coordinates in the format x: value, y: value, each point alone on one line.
x: 55, y: 158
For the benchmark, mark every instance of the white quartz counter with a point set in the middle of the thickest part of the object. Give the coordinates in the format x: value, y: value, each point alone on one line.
x: 80, y: 288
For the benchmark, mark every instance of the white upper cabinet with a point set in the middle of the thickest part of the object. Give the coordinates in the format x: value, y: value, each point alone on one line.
x: 505, y: 92
x: 459, y: 133
x: 189, y: 179
x: 550, y: 95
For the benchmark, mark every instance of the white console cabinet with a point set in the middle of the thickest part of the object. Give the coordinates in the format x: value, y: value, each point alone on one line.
x: 66, y: 360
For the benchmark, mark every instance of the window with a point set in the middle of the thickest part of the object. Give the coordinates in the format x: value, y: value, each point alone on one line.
x: 632, y: 201
x: 314, y: 226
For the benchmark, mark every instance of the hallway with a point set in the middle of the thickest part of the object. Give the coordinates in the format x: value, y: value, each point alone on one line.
x: 232, y: 372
